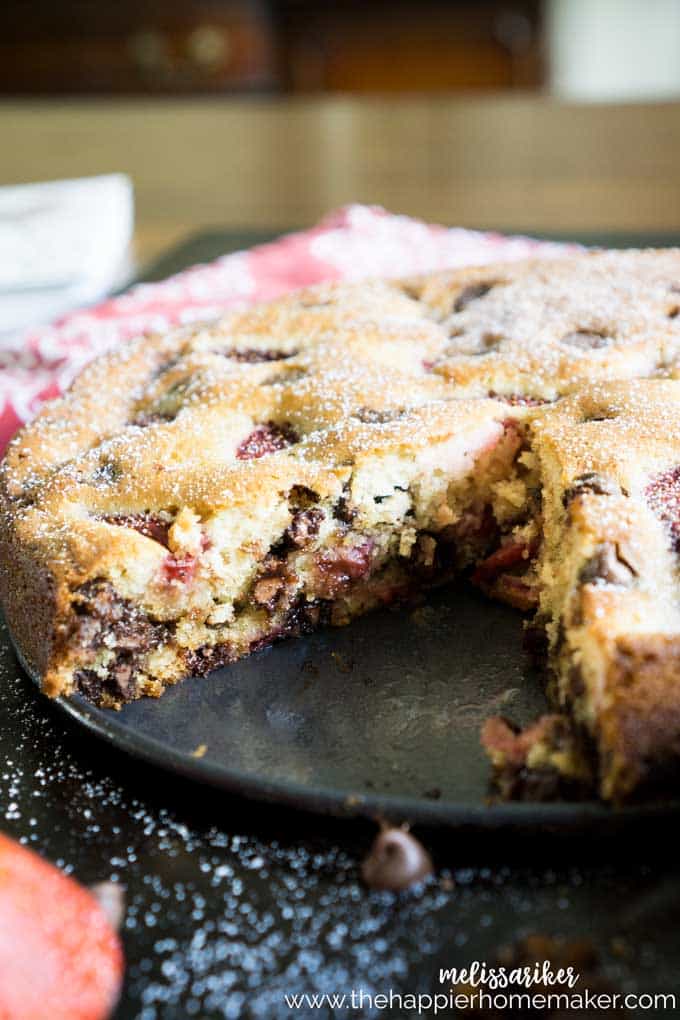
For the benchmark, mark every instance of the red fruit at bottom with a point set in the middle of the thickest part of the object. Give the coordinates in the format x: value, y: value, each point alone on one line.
x: 59, y: 956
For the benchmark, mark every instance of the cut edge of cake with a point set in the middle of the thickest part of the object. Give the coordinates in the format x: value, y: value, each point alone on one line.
x: 151, y: 598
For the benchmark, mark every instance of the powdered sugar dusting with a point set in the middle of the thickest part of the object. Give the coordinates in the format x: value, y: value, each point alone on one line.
x: 377, y: 243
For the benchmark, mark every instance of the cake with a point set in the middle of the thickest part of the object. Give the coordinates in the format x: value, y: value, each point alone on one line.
x: 195, y: 496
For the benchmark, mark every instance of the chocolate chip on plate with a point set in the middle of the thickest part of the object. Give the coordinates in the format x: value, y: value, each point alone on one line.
x: 396, y: 861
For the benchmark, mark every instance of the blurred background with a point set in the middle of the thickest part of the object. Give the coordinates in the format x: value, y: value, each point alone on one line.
x: 551, y: 116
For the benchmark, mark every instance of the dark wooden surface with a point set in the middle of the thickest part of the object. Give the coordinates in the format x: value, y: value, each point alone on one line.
x: 231, y: 906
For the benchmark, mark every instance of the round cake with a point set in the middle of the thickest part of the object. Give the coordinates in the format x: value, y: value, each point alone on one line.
x: 196, y: 496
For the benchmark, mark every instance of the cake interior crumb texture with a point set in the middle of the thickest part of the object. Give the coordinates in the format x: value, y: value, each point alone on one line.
x: 198, y: 495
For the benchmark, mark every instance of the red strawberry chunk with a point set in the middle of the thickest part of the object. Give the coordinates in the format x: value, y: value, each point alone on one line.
x: 179, y: 569
x: 506, y: 743
x: 663, y: 494
x: 266, y: 439
x: 151, y: 525
x: 516, y: 592
x: 59, y: 957
x: 502, y: 560
x: 500, y: 575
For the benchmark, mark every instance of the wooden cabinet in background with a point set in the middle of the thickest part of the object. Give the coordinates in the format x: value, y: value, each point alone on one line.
x: 148, y: 46
x: 176, y: 47
x: 403, y: 46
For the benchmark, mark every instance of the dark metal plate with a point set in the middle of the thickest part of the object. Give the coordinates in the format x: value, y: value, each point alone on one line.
x: 378, y: 718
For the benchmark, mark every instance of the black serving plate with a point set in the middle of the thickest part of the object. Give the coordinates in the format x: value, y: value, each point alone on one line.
x: 380, y: 718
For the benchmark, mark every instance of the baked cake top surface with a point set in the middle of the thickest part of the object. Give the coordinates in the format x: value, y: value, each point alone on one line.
x: 298, y: 390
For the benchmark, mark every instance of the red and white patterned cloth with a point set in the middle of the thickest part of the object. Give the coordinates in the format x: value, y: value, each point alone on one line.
x: 350, y: 244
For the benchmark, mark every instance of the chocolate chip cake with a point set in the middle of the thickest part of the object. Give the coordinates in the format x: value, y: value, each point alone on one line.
x: 196, y: 496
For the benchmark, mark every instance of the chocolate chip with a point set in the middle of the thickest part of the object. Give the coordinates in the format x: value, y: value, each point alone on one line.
x: 339, y: 566
x: 575, y: 682
x: 119, y: 682
x: 396, y: 861
x: 101, y: 616
x: 343, y: 510
x: 305, y: 617
x: 518, y: 399
x: 98, y: 602
x: 285, y: 378
x: 89, y: 684
x: 473, y: 344
x: 169, y: 404
x: 490, y: 341
x: 254, y: 355
x: 433, y: 794
x: 472, y: 292
x: 121, y: 677
x: 144, y: 419
x: 276, y: 585
x: 593, y: 482
x: 106, y: 473
x: 301, y: 497
x: 304, y: 527
x: 598, y: 417
x: 305, y: 523
x: 586, y: 339
x: 369, y: 416
x: 607, y: 566
x: 203, y: 660
x: 512, y: 750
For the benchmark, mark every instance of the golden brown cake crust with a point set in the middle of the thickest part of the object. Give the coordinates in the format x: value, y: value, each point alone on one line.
x: 310, y: 458
x: 641, y: 726
x: 610, y: 573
